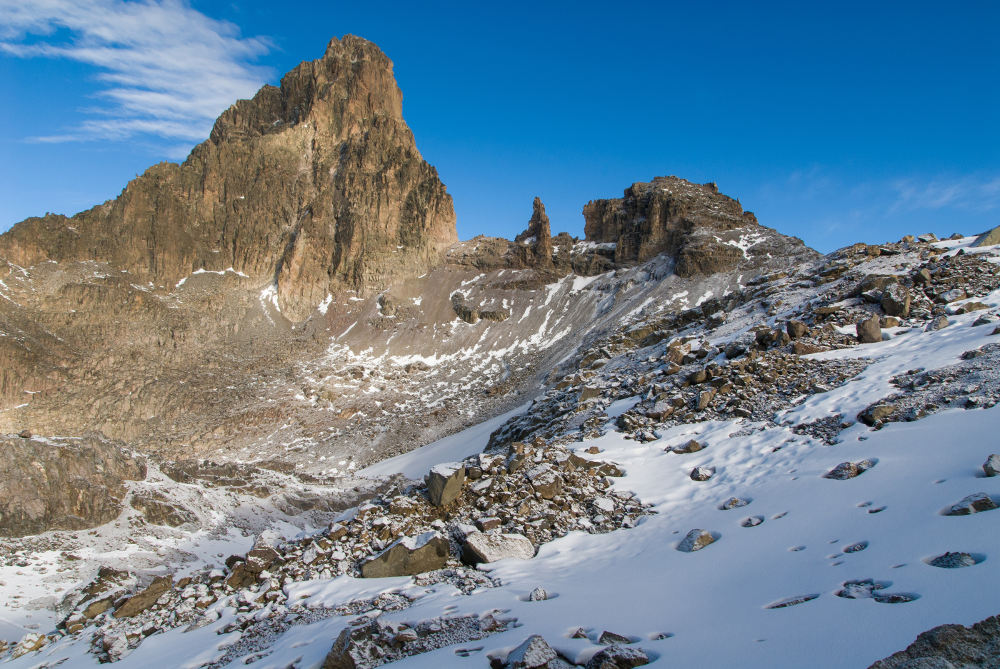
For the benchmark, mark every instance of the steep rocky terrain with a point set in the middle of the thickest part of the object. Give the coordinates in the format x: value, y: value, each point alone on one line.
x: 215, y: 387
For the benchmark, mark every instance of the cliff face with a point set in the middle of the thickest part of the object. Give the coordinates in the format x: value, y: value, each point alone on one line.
x: 672, y: 216
x: 315, y: 185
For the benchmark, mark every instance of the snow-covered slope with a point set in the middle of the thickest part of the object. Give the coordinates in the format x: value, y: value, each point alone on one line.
x: 805, y: 569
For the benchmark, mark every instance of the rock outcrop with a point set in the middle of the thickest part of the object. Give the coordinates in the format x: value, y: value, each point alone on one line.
x: 65, y: 484
x: 536, y: 241
x: 672, y: 216
x: 314, y: 185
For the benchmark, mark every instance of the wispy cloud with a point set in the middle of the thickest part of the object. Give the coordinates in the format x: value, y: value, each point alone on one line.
x: 979, y: 194
x: 164, y: 69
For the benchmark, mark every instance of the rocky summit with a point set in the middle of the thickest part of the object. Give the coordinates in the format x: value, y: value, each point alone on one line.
x: 265, y: 409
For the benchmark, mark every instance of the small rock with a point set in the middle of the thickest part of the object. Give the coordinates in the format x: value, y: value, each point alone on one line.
x: 953, y: 295
x: 538, y: 595
x: 953, y: 561
x: 974, y: 503
x: 849, y: 470
x: 734, y: 503
x: 24, y: 434
x: 869, y: 331
x: 992, y: 465
x: 876, y: 414
x: 691, y: 446
x: 939, y: 323
x: 702, y: 473
x: 694, y: 541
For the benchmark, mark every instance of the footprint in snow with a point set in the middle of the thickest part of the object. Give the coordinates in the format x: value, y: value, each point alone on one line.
x: 871, y: 589
x: 856, y: 547
x: 796, y: 549
x: 779, y: 515
x: 466, y: 652
x: 752, y: 521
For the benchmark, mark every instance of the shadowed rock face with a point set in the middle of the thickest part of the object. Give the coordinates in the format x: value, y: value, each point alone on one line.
x: 316, y: 184
x: 68, y: 484
x: 672, y: 216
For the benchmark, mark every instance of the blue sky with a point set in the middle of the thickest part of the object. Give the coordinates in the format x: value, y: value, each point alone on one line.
x: 851, y: 121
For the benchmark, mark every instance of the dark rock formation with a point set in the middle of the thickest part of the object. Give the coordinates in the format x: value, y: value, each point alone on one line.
x: 948, y: 646
x: 409, y: 555
x: 536, y: 241
x: 672, y: 216
x: 66, y: 484
x: 314, y: 185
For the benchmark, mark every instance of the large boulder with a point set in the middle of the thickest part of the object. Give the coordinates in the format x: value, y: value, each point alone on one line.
x: 145, y: 599
x: 971, y: 504
x: 409, y: 556
x: 618, y: 657
x: 869, y: 331
x: 532, y: 653
x: 444, y: 483
x: 988, y: 238
x: 491, y: 546
x: 896, y: 301
x: 992, y: 465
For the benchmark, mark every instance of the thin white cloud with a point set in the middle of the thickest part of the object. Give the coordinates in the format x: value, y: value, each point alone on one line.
x: 164, y: 69
x: 979, y: 194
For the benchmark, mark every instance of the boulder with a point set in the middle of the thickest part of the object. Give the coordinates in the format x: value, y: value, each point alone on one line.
x: 545, y: 481
x: 896, y: 301
x: 971, y: 504
x: 408, y: 556
x: 988, y: 238
x: 691, y: 446
x: 877, y: 414
x: 444, y: 483
x: 849, y: 470
x: 796, y: 329
x: 612, y: 639
x: 533, y: 653
x: 939, y: 323
x: 490, y: 547
x: 953, y: 295
x: 695, y: 540
x: 992, y: 465
x: 138, y: 603
x: 952, y: 560
x: 618, y: 657
x: 702, y: 473
x: 869, y: 331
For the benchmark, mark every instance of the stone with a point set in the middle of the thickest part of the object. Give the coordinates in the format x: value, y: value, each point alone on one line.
x: 992, y: 465
x: 695, y: 540
x: 971, y: 504
x: 939, y: 323
x: 532, y: 653
x: 734, y: 503
x: 796, y: 329
x: 618, y: 657
x: 951, y: 560
x: 545, y: 481
x: 611, y: 639
x: 869, y: 331
x: 806, y: 348
x: 953, y: 295
x: 538, y: 595
x: 408, y: 556
x: 142, y: 601
x: 702, y: 473
x: 444, y: 483
x: 950, y: 647
x: 988, y: 238
x: 705, y: 398
x: 877, y: 414
x: 923, y: 276
x: 489, y: 547
x: 896, y: 301
x: 850, y: 470
x: 536, y: 241
x: 692, y: 446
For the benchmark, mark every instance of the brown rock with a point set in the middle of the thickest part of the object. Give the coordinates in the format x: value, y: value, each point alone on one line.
x: 145, y: 599
x: 796, y: 329
x: 408, y: 556
x: 444, y: 483
x: 869, y: 331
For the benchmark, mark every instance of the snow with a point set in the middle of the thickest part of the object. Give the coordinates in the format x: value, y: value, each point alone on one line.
x: 325, y: 304
x: 416, y: 463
